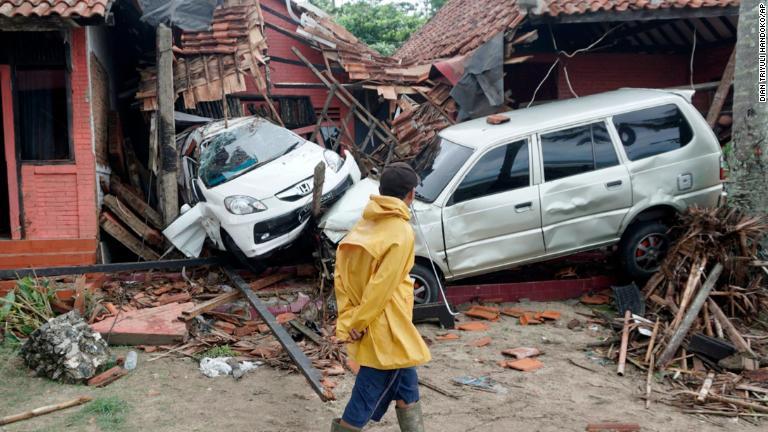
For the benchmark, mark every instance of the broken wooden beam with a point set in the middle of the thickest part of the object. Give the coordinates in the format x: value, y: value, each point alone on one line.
x: 738, y: 341
x: 294, y: 352
x: 107, y: 377
x: 44, y: 410
x: 110, y: 224
x: 722, y: 90
x: 624, y: 343
x: 693, y: 311
x: 122, y: 212
x: 306, y: 331
x: 135, y: 202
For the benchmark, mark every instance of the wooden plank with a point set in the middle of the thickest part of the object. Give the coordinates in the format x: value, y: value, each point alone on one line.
x: 122, y: 212
x: 704, y: 391
x: 624, y: 343
x: 306, y: 331
x: 135, y: 202
x: 722, y: 90
x: 166, y: 128
x: 113, y: 227
x: 682, y: 330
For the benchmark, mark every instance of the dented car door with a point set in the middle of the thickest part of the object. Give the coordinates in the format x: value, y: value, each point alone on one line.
x: 585, y: 190
x: 493, y: 217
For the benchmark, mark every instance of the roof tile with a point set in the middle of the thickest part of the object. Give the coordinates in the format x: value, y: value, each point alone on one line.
x: 63, y: 8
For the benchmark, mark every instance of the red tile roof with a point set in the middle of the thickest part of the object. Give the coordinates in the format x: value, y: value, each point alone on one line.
x: 463, y: 25
x: 459, y: 27
x: 63, y: 8
x: 574, y: 7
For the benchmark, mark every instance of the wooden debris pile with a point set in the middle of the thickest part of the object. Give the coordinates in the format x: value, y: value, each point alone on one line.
x: 706, y: 320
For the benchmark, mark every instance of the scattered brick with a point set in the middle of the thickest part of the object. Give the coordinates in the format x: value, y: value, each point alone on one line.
x: 448, y: 336
x: 224, y: 326
x: 173, y: 298
x: 551, y: 315
x: 483, y: 312
x: 521, y: 352
x: 613, y: 427
x: 472, y: 326
x: 514, y: 312
x: 524, y: 365
x: 597, y: 299
x: 107, y: 377
x: 483, y: 341
x: 528, y: 319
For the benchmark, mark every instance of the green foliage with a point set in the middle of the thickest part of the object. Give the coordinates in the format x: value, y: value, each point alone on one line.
x: 220, y: 351
x: 26, y: 307
x: 109, y: 413
x: 382, y: 26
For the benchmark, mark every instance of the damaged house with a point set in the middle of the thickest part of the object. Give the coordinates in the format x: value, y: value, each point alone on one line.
x: 91, y: 140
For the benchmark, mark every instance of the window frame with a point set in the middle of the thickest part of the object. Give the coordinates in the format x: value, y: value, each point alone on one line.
x: 67, y: 68
x: 470, y: 164
x: 680, y: 108
x: 620, y: 156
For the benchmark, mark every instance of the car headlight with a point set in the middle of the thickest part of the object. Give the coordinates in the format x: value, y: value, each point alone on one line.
x: 333, y: 160
x: 243, y: 204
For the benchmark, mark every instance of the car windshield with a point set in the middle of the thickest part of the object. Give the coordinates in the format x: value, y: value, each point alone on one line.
x: 242, y: 148
x: 437, y: 165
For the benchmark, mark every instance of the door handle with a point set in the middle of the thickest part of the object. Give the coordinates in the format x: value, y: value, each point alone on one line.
x: 524, y: 207
x: 614, y: 184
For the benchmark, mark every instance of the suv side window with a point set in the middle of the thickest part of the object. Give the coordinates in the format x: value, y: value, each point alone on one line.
x: 653, y: 131
x: 577, y: 150
x: 502, y: 169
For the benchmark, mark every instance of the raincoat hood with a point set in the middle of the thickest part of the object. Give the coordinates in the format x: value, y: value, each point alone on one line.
x: 380, y: 207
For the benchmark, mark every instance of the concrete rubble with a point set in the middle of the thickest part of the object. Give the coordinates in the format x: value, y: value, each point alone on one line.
x: 65, y: 349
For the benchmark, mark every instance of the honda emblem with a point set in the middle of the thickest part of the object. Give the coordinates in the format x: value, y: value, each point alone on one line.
x: 304, y: 188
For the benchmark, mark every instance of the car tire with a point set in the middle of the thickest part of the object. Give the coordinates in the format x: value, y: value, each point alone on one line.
x: 643, y: 248
x: 425, y: 287
x: 255, y: 266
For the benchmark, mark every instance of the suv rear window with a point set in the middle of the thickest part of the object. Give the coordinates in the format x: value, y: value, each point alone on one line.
x: 653, y: 131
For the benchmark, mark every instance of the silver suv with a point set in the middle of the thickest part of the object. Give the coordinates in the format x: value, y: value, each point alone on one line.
x: 556, y: 179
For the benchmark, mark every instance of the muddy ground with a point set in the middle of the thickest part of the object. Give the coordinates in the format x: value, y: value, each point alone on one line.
x: 171, y: 395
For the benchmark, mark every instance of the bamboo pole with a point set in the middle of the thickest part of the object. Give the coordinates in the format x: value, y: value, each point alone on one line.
x: 733, y: 334
x: 649, y: 352
x: 44, y: 410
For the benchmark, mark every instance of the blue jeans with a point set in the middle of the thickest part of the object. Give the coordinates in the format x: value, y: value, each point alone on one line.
x: 375, y: 389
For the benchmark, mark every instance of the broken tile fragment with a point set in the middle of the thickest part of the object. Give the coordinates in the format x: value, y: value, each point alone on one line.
x: 472, y: 326
x: 550, y: 315
x: 483, y: 312
x: 513, y: 312
x: 483, y: 341
x: 528, y: 319
x: 597, y: 299
x: 448, y: 336
x: 523, y: 365
x: 521, y: 352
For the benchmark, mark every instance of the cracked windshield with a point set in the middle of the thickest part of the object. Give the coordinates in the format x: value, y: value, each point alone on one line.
x: 241, y: 148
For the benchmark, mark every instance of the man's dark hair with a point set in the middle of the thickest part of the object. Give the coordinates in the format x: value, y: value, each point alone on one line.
x: 397, y: 180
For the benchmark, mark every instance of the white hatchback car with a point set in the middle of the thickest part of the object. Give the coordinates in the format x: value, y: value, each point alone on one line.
x: 248, y: 185
x: 555, y: 179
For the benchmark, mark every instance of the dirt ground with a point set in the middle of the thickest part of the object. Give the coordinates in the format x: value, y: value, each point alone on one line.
x: 171, y: 394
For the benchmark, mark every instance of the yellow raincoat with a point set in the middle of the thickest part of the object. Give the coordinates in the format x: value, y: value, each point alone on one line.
x: 374, y: 291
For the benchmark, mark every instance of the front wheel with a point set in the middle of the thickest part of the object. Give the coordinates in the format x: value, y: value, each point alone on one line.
x: 643, y: 249
x: 425, y: 284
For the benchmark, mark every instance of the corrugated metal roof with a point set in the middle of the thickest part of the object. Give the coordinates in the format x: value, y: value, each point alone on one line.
x: 62, y: 8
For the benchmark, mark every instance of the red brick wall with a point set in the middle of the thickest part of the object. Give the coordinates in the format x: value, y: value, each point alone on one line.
x: 59, y: 201
x: 280, y: 46
x: 595, y: 73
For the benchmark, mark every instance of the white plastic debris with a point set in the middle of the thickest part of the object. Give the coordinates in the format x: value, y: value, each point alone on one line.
x: 213, y: 367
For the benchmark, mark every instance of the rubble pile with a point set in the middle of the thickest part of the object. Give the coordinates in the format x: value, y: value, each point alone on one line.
x: 705, y: 320
x: 65, y: 349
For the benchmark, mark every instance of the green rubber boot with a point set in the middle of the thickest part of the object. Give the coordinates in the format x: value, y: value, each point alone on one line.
x: 410, y: 419
x: 337, y: 427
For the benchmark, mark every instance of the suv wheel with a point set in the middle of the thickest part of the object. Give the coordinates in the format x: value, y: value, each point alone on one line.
x: 256, y: 267
x: 643, y: 249
x: 425, y: 288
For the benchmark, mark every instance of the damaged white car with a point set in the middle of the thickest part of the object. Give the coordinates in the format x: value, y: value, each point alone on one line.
x: 248, y: 186
x: 553, y: 180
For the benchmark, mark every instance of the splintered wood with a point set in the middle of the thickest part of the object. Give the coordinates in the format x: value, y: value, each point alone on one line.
x: 709, y: 305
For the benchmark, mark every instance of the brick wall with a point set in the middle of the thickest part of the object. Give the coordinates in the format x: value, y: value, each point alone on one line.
x: 59, y: 201
x: 280, y: 46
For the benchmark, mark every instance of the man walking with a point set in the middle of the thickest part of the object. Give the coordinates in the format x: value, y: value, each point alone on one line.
x: 374, y: 293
